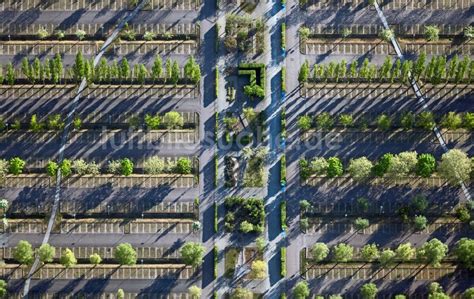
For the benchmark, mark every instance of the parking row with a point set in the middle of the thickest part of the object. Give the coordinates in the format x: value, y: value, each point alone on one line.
x: 95, y: 5
x: 394, y: 92
x: 15, y: 29
x: 397, y: 272
x: 392, y: 228
x: 102, y: 226
x: 375, y: 29
x: 135, y: 181
x: 345, y: 181
x: 100, y: 92
x: 45, y: 48
x: 113, y: 272
x: 107, y: 252
x: 460, y: 138
x: 392, y: 4
x: 132, y: 206
x: 106, y: 295
x: 377, y: 47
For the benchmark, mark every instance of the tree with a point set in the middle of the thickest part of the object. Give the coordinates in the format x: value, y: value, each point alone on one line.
x: 301, y: 290
x: 383, y: 164
x: 468, y: 121
x: 304, y: 205
x: 304, y: 122
x: 192, y: 70
x: 403, y: 164
x: 52, y: 168
x: 342, y: 252
x: 455, y: 166
x: 79, y: 67
x: 10, y: 74
x: 426, y: 165
x: 465, y: 252
x: 370, y: 252
x: 16, y: 165
x: 334, y: 167
x: 436, y: 291
x: 149, y: 36
x: 125, y: 254
x: 386, y: 257
x: 241, y: 293
x: 175, y: 72
x: 420, y: 222
x: 303, y: 74
x: 194, y: 291
x: 259, y: 269
x: 368, y: 291
x: 142, y: 73
x: 304, y: 224
x: 120, y: 294
x: 46, y: 253
x: 80, y: 34
x: 304, y: 33
x: 124, y: 69
x: 68, y: 259
x: 419, y: 66
x: 261, y: 244
x: 319, y: 251
x: 431, y: 33
x: 23, y: 253
x: 173, y: 120
x: 192, y: 254
x: 42, y: 33
x: 324, y: 121
x: 3, y: 288
x: 386, y: 35
x: 66, y: 167
x: 95, y: 259
x: 361, y: 223
x: 468, y: 294
x: 463, y: 214
x: 157, y: 68
x: 433, y: 252
x: 360, y: 168
x: 405, y: 252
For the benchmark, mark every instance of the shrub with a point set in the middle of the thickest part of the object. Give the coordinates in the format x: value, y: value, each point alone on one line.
x: 68, y: 259
x: 154, y: 165
x: 246, y: 227
x: 80, y: 34
x: 66, y: 167
x: 386, y: 257
x: 463, y: 214
x: 304, y: 72
x: 346, y: 120
x: 403, y: 164
x: 51, y: 168
x: 192, y: 254
x: 173, y: 120
x: 283, y: 215
x: 184, y: 166
x: 152, y: 122
x: 324, y: 121
x: 283, y: 261
x: 407, y: 121
x: 304, y: 224
x: 432, y: 252
x: 384, y: 122
x: 451, y: 121
x: 465, y: 252
x: 46, y: 253
x: 334, y: 167
x: 419, y: 203
x: 95, y: 259
x: 431, y: 33
x: 368, y: 291
x: 126, y: 167
x: 301, y: 290
x: 16, y: 165
x: 405, y: 252
x: 425, y: 120
x: 259, y: 269
x: 468, y: 120
x: 386, y: 35
x: 319, y: 166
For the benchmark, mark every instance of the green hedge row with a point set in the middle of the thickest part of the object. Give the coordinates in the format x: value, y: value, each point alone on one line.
x: 283, y: 79
x: 283, y: 122
x: 216, y: 219
x: 283, y: 169
x: 283, y: 36
x: 283, y: 215
x: 254, y: 88
x: 217, y: 82
x: 283, y: 261
x: 216, y: 169
x: 216, y: 255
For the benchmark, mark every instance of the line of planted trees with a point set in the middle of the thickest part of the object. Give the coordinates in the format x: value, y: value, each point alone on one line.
x: 437, y: 70
x: 53, y: 71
